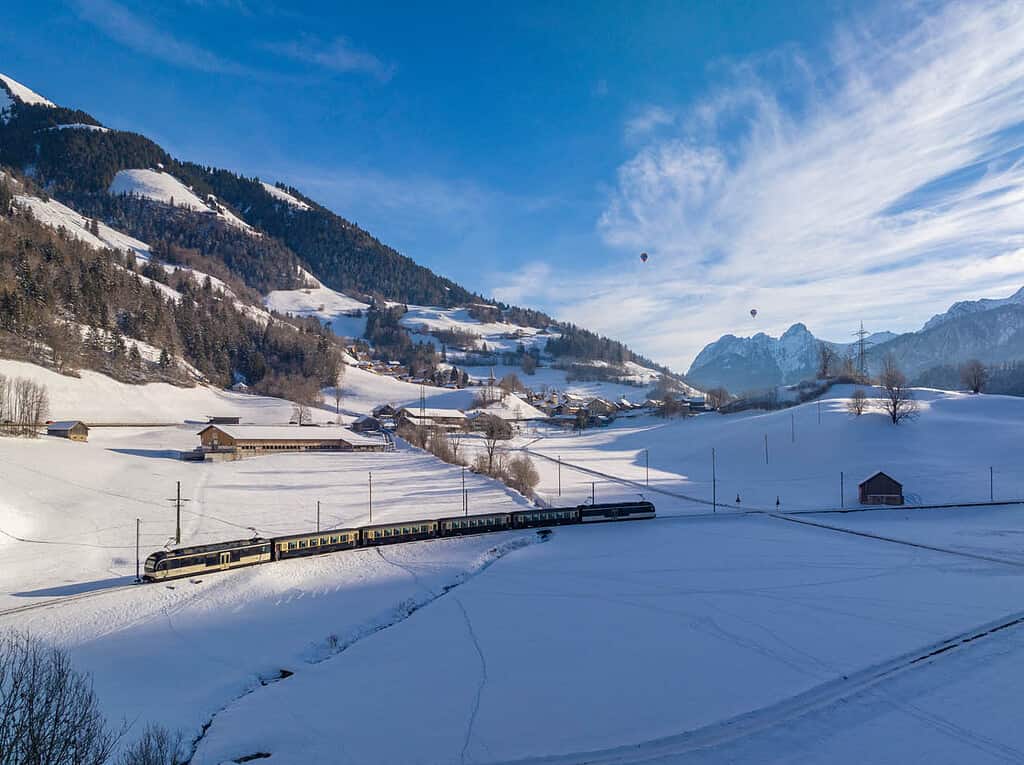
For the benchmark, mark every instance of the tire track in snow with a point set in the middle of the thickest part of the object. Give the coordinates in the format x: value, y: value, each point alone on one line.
x: 819, y: 697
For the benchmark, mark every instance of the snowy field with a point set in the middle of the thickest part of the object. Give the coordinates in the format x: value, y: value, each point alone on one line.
x: 739, y: 638
x: 78, y: 502
x: 692, y: 638
x: 808, y: 460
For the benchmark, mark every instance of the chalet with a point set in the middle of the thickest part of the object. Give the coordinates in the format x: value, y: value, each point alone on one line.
x: 74, y: 430
x: 881, y: 489
x: 445, y: 419
x: 385, y: 410
x: 598, y: 407
x: 240, y: 387
x: 367, y: 424
x: 256, y: 439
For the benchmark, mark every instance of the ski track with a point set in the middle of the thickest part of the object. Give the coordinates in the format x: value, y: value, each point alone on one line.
x: 480, y: 687
x: 827, y: 694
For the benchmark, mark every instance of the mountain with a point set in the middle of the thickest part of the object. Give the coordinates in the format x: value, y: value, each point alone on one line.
x: 741, y: 364
x: 991, y: 330
x: 131, y: 216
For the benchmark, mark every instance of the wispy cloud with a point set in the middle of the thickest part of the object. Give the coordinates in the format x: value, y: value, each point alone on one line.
x: 880, y: 187
x: 138, y: 34
x: 647, y: 121
x: 336, y: 55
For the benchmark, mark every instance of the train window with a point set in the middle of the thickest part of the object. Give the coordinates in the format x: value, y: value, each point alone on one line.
x: 334, y: 540
x: 323, y: 540
x: 302, y: 544
x: 291, y: 545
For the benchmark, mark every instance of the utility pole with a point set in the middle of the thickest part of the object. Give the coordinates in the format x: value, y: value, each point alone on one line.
x: 647, y: 467
x: 465, y: 504
x: 318, y: 516
x: 371, y: 497
x: 714, y: 483
x: 991, y: 489
x: 593, y: 492
x: 792, y: 427
x: 862, y: 350
x: 559, y: 475
x: 765, y: 448
x: 819, y: 413
x: 842, y: 489
x: 177, y: 500
x: 137, y: 524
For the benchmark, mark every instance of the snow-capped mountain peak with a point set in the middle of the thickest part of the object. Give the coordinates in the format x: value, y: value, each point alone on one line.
x: 964, y: 307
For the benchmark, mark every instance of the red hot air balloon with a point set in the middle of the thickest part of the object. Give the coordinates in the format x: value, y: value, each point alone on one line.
x: 643, y: 257
x: 753, y: 313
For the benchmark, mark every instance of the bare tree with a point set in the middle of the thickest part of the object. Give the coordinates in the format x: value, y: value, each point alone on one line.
x: 897, y: 399
x: 455, y: 439
x: 827, y: 359
x: 717, y: 397
x: 301, y: 414
x: 338, y: 381
x: 974, y: 375
x: 511, y: 383
x: 49, y: 714
x: 858, y: 403
x: 522, y: 475
x: 157, y: 746
x: 495, y: 431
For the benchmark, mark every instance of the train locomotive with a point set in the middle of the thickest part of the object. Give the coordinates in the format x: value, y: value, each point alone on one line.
x: 221, y: 556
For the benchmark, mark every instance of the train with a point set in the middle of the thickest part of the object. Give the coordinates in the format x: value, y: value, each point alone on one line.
x: 222, y: 556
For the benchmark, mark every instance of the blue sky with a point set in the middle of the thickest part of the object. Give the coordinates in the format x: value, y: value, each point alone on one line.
x: 777, y: 155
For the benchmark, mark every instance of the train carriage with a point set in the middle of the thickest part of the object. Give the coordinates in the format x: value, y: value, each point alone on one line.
x: 299, y: 545
x: 201, y: 559
x: 391, y: 533
x: 616, y: 511
x: 552, y: 516
x: 473, y: 524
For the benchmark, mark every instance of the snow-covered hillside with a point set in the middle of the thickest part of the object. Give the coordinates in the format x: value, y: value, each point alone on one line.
x: 11, y: 90
x: 164, y: 187
x: 329, y: 306
x: 284, y: 196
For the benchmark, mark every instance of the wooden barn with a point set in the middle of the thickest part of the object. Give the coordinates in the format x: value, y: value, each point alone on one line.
x: 256, y: 439
x: 367, y: 424
x: 881, y: 489
x: 74, y: 430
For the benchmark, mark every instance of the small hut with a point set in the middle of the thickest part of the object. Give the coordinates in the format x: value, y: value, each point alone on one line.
x: 881, y: 489
x: 75, y: 430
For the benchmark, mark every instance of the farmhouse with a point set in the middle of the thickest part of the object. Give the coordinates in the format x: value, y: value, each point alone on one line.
x: 241, y: 439
x: 445, y: 419
x: 367, y: 424
x: 75, y: 430
x: 881, y: 489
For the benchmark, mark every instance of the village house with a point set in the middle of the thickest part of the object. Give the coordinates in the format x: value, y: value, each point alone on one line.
x: 240, y: 440
x: 367, y: 424
x: 73, y: 430
x: 445, y: 419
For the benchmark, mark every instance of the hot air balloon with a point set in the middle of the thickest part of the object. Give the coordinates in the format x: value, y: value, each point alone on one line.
x: 643, y: 257
x: 753, y: 313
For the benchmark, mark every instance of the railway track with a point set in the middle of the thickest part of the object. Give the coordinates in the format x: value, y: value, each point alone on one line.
x: 54, y: 602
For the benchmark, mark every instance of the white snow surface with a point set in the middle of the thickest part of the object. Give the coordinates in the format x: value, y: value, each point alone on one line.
x: 696, y: 637
x: 284, y: 196
x: 327, y: 305
x: 81, y: 126
x: 53, y: 213
x: 22, y: 93
x: 164, y: 187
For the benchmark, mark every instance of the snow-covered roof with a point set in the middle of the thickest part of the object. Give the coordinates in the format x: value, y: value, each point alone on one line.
x: 294, y: 433
x: 64, y: 424
x: 434, y: 413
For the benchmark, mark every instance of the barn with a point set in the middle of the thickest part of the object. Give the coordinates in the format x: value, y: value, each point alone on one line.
x: 257, y: 439
x: 881, y: 489
x: 367, y: 424
x: 75, y: 430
